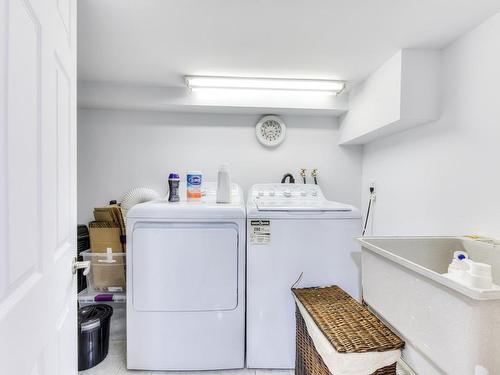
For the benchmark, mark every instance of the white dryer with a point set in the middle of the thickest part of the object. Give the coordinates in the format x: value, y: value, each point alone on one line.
x: 292, y: 230
x: 186, y: 284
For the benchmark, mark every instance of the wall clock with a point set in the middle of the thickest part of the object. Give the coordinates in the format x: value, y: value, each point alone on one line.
x: 270, y: 131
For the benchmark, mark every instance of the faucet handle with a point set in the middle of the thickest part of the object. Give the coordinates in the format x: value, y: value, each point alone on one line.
x: 314, y: 175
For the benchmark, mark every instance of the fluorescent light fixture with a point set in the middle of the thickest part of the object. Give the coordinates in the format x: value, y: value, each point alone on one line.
x: 311, y: 85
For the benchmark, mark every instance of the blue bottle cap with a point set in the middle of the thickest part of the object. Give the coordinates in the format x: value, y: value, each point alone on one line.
x: 173, y: 176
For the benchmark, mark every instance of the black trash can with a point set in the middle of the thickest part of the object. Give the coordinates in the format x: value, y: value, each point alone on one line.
x: 93, y: 334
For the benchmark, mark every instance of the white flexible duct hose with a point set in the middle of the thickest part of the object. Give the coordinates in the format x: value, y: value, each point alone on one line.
x: 136, y: 196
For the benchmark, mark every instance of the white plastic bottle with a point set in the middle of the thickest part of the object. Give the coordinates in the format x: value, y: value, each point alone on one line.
x: 223, y: 184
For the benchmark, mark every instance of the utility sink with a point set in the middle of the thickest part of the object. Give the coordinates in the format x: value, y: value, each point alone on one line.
x: 449, y: 328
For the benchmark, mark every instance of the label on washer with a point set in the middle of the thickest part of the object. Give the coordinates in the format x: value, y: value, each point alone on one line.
x: 260, y: 232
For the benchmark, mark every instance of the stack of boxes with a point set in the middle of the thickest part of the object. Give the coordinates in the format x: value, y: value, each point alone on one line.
x: 107, y: 249
x: 106, y: 279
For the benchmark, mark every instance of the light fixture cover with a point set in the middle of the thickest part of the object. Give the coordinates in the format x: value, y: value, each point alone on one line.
x: 198, y: 82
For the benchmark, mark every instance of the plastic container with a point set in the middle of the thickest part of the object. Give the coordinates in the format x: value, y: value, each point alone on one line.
x: 478, y: 275
x: 93, y: 335
x: 223, y: 184
x: 118, y: 325
x: 467, y: 272
x: 194, y: 181
x: 173, y: 187
x: 107, y: 271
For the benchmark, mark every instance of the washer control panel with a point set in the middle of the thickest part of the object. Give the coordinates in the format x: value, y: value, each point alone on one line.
x: 292, y: 197
x: 290, y: 191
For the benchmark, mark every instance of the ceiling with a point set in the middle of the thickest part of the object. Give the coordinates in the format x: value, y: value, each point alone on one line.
x: 159, y: 41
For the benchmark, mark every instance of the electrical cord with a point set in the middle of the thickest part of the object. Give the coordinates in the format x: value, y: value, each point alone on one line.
x: 372, y: 190
x: 298, y: 280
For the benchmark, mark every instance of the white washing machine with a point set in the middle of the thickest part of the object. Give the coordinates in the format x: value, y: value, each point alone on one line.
x: 186, y: 284
x: 292, y: 230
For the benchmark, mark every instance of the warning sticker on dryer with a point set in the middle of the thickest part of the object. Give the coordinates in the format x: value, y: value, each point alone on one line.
x: 260, y: 232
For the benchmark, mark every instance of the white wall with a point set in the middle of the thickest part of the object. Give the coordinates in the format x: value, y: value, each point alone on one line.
x: 120, y: 150
x: 444, y: 177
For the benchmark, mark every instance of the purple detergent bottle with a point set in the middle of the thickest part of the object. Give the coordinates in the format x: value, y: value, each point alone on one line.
x: 173, y: 187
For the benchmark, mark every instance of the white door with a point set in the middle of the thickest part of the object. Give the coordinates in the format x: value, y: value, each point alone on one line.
x: 37, y: 187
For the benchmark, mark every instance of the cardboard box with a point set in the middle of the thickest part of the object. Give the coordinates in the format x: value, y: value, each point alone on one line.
x: 107, y: 271
x: 102, y: 238
x: 108, y: 277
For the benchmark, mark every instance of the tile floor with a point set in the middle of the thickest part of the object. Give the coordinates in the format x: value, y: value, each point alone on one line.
x: 115, y: 364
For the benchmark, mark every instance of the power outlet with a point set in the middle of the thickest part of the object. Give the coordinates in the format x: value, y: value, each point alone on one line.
x: 372, y: 191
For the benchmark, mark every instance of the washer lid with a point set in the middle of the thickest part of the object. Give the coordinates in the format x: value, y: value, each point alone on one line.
x: 300, y: 205
x: 295, y: 200
x: 329, y: 210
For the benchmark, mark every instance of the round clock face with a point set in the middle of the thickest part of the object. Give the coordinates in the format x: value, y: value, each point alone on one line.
x: 270, y: 131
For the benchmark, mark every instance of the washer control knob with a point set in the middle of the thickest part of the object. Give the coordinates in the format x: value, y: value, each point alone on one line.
x: 303, y: 193
x: 287, y: 193
x: 314, y: 193
x: 261, y: 193
x: 271, y: 193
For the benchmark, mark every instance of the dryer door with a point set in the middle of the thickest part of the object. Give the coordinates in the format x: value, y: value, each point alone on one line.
x: 185, y: 267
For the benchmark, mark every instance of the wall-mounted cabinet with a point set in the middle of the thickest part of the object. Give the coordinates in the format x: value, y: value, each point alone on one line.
x: 402, y: 93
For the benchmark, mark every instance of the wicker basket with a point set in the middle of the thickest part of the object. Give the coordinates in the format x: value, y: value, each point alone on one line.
x: 348, y: 326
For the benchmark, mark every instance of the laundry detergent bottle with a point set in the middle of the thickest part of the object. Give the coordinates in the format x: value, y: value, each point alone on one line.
x: 223, y: 184
x: 173, y: 187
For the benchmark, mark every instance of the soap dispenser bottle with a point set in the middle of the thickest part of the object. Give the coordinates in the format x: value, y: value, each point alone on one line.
x: 223, y: 184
